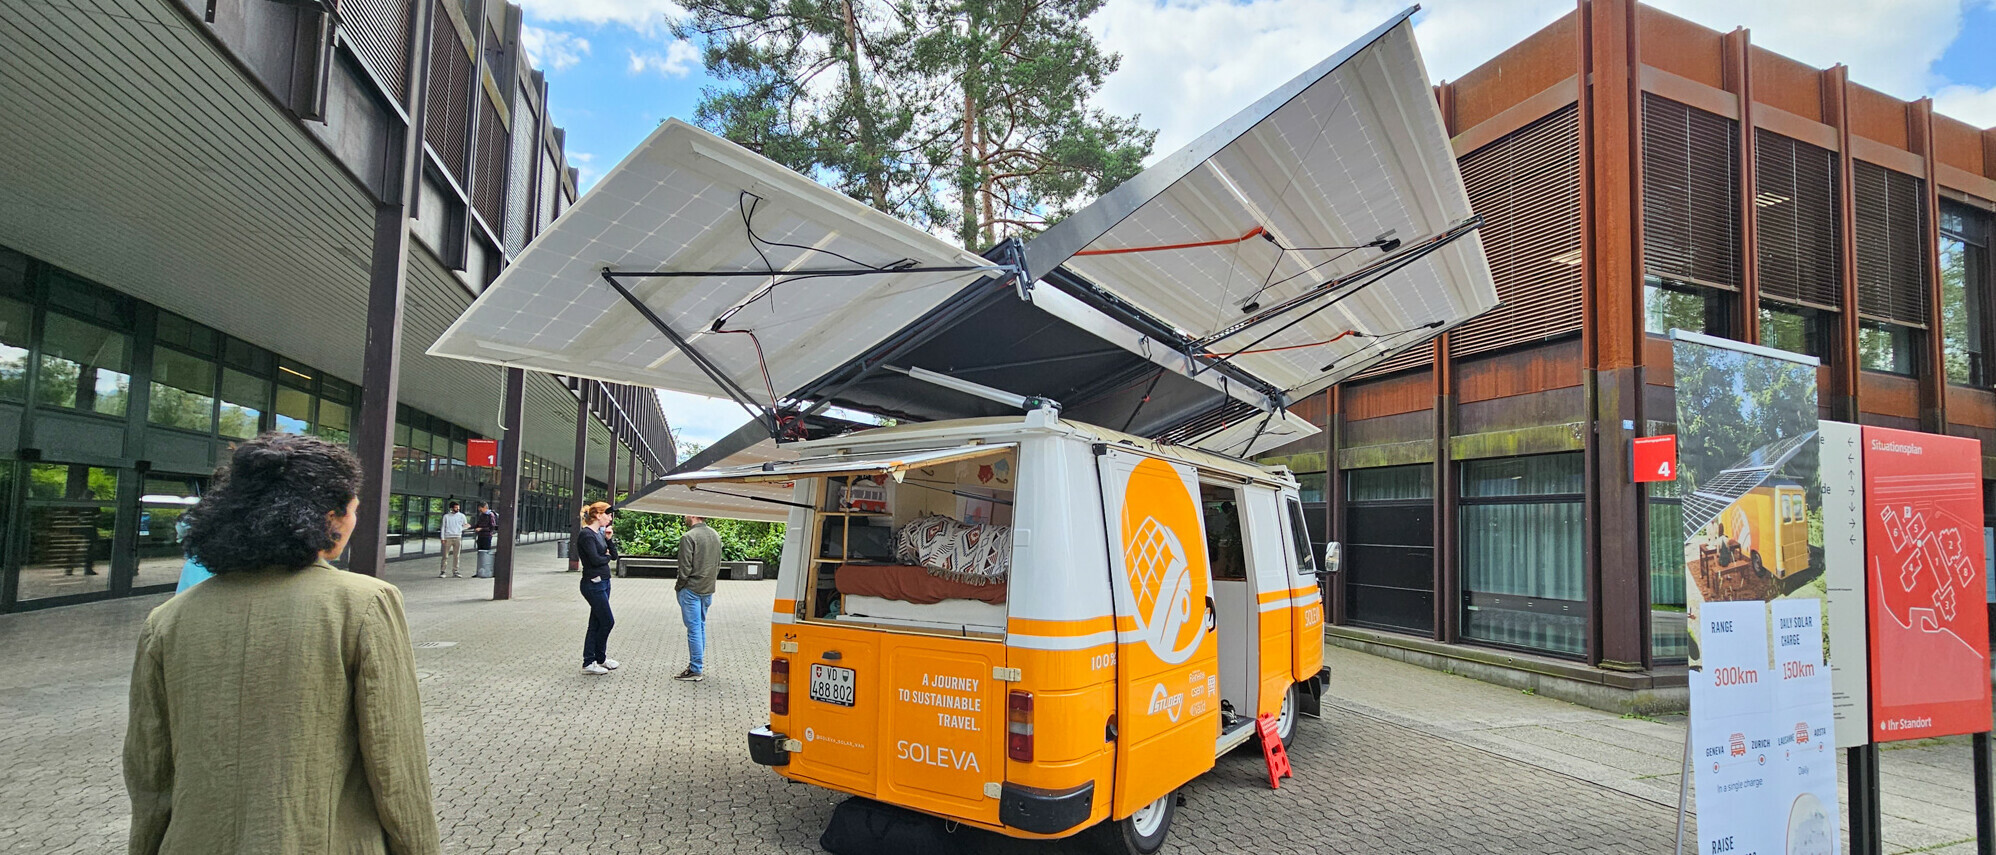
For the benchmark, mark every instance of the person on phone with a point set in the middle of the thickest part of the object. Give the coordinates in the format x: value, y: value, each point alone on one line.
x: 596, y: 552
x: 273, y: 707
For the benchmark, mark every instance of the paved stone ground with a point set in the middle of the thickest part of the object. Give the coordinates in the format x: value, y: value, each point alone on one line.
x: 528, y: 755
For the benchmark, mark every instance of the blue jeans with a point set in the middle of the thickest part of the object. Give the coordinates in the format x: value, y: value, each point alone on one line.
x: 693, y: 610
x: 596, y: 641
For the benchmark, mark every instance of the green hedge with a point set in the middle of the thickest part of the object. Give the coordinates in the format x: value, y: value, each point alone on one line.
x: 658, y: 534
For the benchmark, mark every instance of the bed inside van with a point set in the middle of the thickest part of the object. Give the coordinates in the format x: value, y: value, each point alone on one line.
x: 925, y: 548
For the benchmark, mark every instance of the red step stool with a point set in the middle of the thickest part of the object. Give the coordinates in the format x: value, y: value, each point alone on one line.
x: 1272, y: 751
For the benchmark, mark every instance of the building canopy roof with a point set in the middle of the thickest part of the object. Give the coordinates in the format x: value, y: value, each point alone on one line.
x: 1320, y: 230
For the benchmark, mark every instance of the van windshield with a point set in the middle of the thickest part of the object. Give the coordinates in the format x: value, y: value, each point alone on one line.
x: 931, y: 551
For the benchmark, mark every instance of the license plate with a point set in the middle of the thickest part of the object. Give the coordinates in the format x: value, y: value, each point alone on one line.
x: 832, y: 684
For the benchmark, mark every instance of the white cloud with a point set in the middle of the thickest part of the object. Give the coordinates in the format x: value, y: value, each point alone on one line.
x: 553, y: 50
x: 585, y: 171
x: 1971, y: 104
x: 679, y: 59
x: 645, y: 16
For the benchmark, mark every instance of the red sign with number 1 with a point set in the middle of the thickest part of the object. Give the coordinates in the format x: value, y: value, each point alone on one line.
x: 1655, y: 458
x: 482, y: 452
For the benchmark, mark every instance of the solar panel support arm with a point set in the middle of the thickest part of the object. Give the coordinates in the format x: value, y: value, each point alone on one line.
x: 766, y: 417
x: 1364, y: 276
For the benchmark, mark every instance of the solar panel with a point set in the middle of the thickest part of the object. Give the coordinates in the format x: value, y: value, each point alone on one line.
x: 1351, y: 151
x: 678, y: 203
x: 1711, y: 499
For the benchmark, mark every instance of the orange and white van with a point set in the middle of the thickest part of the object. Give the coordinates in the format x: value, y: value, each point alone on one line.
x: 1157, y: 600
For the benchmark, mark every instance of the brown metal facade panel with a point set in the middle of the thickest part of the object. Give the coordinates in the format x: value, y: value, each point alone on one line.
x: 1690, y: 166
x: 1795, y: 206
x: 1525, y: 112
x: 1877, y: 116
x: 1531, y: 66
x: 1519, y: 372
x: 1933, y: 377
x: 1526, y: 187
x: 1737, y: 54
x: 1787, y: 85
x: 447, y: 120
x: 1889, y: 395
x: 1691, y: 93
x: 1891, y: 225
x: 488, y: 194
x: 1795, y: 127
x: 1958, y: 144
x: 1659, y: 362
x: 1967, y: 406
x: 1679, y: 46
x: 1388, y: 396
x: 1835, y: 85
x: 378, y: 30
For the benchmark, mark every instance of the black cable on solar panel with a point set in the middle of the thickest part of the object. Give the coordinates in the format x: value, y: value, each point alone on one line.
x: 748, y: 222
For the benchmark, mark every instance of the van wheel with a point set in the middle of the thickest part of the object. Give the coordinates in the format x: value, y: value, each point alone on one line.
x: 1285, y: 719
x: 1143, y: 832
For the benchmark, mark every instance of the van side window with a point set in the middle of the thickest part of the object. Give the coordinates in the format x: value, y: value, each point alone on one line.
x: 1224, y: 551
x: 1306, y: 554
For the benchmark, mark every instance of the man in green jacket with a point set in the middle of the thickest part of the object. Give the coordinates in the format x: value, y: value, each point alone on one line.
x: 699, y: 565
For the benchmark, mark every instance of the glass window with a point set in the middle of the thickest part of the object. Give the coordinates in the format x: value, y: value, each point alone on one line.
x: 335, y: 421
x: 1797, y: 329
x: 1390, y: 483
x: 1669, y: 637
x: 246, y: 356
x: 1523, y: 553
x: 244, y: 399
x: 1225, y: 552
x: 83, y: 367
x: 71, y: 520
x: 184, y: 334
x: 294, y: 410
x: 14, y: 339
x: 1965, y: 327
x: 395, y: 523
x: 1886, y: 347
x: 1669, y: 304
x: 1299, y: 532
x: 161, y: 535
x: 1310, y: 487
x: 183, y: 391
x: 294, y: 374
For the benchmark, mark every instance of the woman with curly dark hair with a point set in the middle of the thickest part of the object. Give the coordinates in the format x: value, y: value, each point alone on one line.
x: 274, y: 706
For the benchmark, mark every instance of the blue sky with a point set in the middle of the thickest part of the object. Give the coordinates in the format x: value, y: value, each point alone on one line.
x: 615, y: 71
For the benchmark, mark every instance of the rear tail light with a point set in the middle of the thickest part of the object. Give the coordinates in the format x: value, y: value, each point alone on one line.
x: 1019, y: 727
x: 779, y: 686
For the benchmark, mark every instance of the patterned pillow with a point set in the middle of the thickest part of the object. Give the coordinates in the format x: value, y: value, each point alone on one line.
x: 960, y: 552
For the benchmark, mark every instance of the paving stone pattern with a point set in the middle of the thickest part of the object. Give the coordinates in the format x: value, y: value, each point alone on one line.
x: 529, y: 755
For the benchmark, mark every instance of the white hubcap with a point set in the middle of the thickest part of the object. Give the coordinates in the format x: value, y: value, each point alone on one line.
x: 1149, y: 818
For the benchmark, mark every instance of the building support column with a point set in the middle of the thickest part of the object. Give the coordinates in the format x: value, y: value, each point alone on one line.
x: 1933, y: 357
x: 381, y: 366
x: 1736, y: 50
x: 580, y: 470
x: 509, y: 483
x: 1448, y: 569
x: 1334, y: 505
x: 1613, y: 292
x: 1835, y: 84
x: 610, y: 471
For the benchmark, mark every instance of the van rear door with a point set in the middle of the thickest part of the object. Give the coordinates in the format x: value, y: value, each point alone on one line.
x: 942, y: 724
x: 1168, y: 704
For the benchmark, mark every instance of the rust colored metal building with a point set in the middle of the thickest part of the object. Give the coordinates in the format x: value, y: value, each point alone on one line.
x: 1479, y: 485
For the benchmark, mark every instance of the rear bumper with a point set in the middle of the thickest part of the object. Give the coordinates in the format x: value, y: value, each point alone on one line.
x: 1045, y: 811
x: 765, y: 747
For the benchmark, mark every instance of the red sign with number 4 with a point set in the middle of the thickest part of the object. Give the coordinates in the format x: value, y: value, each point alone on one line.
x: 1655, y: 458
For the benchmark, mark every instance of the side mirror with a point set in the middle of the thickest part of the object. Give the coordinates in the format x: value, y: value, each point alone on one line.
x: 1333, y: 555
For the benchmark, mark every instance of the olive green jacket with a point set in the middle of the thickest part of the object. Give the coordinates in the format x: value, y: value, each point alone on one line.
x: 277, y: 712
x: 699, y: 560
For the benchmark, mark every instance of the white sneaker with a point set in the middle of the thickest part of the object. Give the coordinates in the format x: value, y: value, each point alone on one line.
x: 611, y: 664
x: 594, y: 669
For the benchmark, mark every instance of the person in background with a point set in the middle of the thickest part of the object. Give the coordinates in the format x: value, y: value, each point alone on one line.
x: 191, y: 571
x: 485, y: 525
x: 699, y: 566
x: 596, y: 552
x: 274, y: 708
x: 452, y: 532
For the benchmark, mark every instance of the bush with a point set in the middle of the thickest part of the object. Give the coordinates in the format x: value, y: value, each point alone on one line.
x: 658, y: 535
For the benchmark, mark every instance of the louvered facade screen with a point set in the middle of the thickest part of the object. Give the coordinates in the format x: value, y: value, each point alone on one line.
x: 488, y: 190
x: 1891, y: 245
x: 1690, y: 194
x: 520, y: 180
x: 1526, y: 186
x: 1795, y: 203
x: 447, y: 114
x: 550, y: 190
x: 378, y: 32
